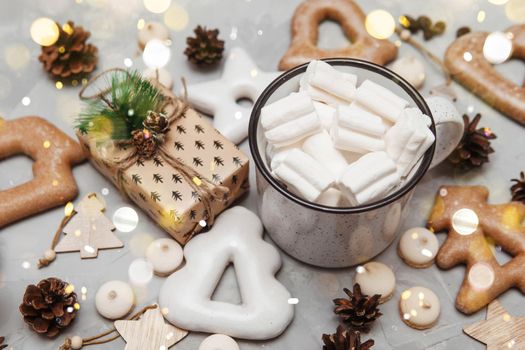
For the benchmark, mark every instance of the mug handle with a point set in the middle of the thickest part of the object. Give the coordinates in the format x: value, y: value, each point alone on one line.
x: 449, y: 127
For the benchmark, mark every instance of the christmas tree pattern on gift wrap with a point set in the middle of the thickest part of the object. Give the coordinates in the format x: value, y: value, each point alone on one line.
x: 156, y: 184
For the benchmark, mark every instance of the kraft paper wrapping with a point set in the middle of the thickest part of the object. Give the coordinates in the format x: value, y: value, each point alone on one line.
x: 160, y: 191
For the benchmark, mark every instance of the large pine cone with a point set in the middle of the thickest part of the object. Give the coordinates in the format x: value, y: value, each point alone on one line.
x: 359, y: 310
x: 70, y: 57
x: 474, y: 148
x: 49, y: 306
x: 345, y: 340
x: 205, y: 48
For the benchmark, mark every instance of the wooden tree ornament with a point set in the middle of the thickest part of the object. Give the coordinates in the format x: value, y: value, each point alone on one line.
x: 470, y: 220
x: 88, y: 230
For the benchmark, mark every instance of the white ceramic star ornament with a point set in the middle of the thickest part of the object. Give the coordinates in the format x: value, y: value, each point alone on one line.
x: 150, y: 332
x: 241, y: 79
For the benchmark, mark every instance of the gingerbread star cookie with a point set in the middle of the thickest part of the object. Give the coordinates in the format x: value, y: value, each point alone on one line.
x: 471, y: 222
x: 305, y: 23
x: 53, y: 153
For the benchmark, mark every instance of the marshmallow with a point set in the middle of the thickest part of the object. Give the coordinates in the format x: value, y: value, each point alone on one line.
x: 357, y: 130
x: 319, y: 147
x: 380, y: 100
x: 409, y: 139
x: 277, y: 154
x: 369, y: 178
x: 326, y: 114
x: 326, y: 84
x: 289, y: 119
x: 303, y: 174
x: 332, y: 197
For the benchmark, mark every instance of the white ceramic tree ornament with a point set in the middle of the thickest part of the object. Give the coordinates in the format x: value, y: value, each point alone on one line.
x: 241, y: 79
x: 235, y: 238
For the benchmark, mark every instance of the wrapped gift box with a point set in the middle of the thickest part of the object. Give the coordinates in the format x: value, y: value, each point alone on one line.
x: 160, y: 190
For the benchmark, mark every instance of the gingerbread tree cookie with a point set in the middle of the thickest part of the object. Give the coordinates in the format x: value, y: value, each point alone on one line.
x: 471, y: 222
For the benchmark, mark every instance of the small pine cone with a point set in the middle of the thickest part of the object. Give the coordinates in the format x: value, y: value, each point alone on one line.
x: 345, y: 340
x: 49, y: 306
x: 205, y: 48
x: 2, y: 345
x: 145, y: 144
x: 518, y: 189
x: 474, y: 148
x: 70, y: 57
x: 359, y: 311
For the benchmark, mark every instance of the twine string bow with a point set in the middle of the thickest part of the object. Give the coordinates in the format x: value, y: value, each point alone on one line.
x: 173, y: 109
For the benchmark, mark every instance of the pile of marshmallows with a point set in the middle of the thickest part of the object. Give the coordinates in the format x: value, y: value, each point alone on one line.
x: 340, y: 145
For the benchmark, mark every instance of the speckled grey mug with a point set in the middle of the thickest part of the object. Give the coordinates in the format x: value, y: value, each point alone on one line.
x: 340, y: 237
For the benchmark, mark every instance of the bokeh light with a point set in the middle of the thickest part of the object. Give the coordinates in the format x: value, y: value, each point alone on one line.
x: 515, y: 10
x: 156, y: 54
x: 44, y: 31
x: 498, y: 2
x: 380, y: 24
x: 176, y: 17
x: 125, y: 219
x: 481, y: 276
x: 16, y: 56
x: 140, y: 272
x: 157, y: 6
x: 465, y: 221
x: 497, y: 47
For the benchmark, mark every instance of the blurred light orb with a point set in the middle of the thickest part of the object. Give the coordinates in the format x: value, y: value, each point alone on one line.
x: 16, y: 56
x: 140, y: 272
x: 128, y: 62
x: 481, y: 276
x: 125, y: 219
x: 465, y: 221
x: 176, y: 17
x: 44, y: 31
x: 497, y: 47
x: 498, y: 2
x: 515, y: 10
x: 26, y: 101
x: 157, y: 6
x: 156, y: 54
x: 380, y: 24
x: 481, y: 16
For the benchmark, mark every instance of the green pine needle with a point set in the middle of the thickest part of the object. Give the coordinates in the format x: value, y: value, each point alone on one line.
x: 130, y: 98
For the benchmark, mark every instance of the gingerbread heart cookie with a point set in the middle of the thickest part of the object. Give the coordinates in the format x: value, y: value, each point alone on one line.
x: 53, y: 153
x: 305, y: 23
x: 471, y: 223
x: 465, y: 60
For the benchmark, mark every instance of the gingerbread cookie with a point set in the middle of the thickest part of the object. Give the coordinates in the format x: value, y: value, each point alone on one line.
x: 305, y: 23
x: 467, y: 64
x: 470, y: 220
x: 53, y: 153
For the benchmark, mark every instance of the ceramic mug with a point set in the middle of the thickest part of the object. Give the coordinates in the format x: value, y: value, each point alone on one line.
x: 340, y: 237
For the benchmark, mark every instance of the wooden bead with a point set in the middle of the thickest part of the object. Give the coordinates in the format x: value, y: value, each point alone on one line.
x: 76, y: 342
x: 50, y: 255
